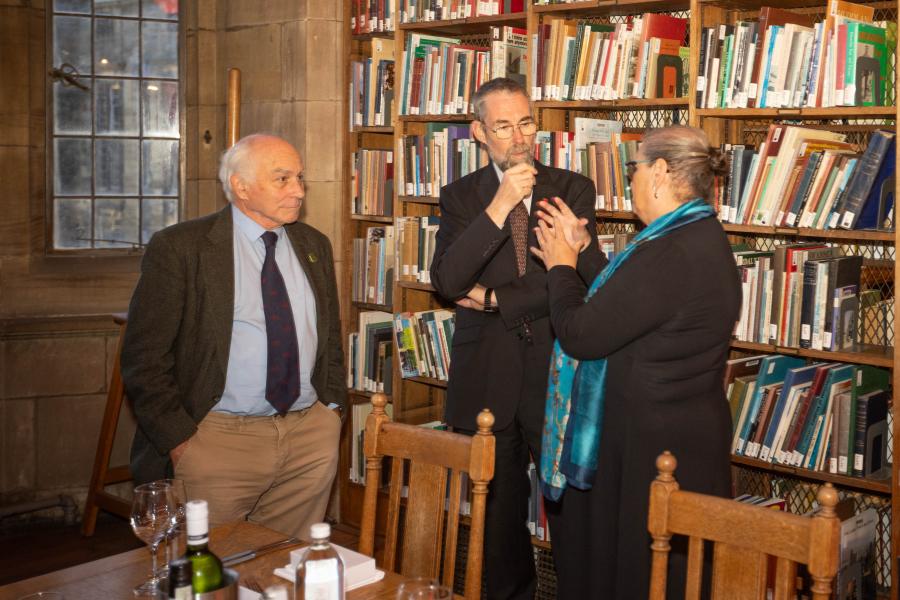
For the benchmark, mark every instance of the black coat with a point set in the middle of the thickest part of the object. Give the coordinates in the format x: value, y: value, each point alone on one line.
x: 663, y: 320
x: 492, y: 364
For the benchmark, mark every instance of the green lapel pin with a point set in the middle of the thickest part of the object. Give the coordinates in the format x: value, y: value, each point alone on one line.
x: 312, y: 257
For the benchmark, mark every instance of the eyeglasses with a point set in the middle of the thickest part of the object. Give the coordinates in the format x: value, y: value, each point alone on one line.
x: 631, y: 167
x: 504, y: 132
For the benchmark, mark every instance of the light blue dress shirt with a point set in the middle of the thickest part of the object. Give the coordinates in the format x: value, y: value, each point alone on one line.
x: 245, y: 379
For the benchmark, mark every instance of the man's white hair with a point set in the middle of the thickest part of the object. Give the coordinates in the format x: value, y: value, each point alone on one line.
x: 236, y: 161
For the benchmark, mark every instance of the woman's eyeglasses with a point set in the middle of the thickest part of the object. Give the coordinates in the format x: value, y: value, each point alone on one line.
x: 631, y: 167
x: 504, y: 132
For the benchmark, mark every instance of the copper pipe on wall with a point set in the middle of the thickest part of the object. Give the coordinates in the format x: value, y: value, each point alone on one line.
x: 233, y: 108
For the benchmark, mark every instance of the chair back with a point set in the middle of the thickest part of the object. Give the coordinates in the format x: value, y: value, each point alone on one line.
x: 744, y: 537
x: 436, y: 461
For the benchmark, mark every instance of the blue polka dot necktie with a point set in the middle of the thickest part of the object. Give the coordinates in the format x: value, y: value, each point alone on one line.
x: 283, y: 363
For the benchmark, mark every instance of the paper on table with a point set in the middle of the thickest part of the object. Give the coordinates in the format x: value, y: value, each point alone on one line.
x: 287, y: 572
x: 359, y: 569
x: 247, y: 594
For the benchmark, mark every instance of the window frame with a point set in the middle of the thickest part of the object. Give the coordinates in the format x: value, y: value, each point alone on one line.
x: 117, y: 259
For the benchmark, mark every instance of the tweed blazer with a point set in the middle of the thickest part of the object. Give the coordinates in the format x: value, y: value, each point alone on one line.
x: 175, y: 352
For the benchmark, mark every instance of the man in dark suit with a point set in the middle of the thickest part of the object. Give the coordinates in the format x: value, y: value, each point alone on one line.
x: 503, y: 341
x: 233, y: 350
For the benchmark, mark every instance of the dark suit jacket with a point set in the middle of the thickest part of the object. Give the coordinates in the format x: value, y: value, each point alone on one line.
x: 492, y: 363
x: 175, y: 353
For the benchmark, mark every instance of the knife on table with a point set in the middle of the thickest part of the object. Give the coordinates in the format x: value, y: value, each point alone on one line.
x: 239, y: 557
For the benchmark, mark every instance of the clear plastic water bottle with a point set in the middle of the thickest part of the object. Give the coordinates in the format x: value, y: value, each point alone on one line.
x: 320, y: 572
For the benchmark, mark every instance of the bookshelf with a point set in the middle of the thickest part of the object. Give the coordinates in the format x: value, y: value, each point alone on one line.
x: 748, y: 125
x: 421, y: 399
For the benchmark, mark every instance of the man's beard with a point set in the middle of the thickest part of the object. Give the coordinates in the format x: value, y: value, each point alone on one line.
x: 508, y: 160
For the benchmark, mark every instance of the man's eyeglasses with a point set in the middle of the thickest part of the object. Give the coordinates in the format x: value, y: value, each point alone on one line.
x: 631, y: 167
x: 504, y: 132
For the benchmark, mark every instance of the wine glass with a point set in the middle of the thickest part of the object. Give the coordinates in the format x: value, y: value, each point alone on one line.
x: 175, y: 536
x: 423, y: 588
x: 152, y: 512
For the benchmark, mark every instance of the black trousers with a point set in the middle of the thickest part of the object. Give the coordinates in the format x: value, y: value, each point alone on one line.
x: 508, y: 554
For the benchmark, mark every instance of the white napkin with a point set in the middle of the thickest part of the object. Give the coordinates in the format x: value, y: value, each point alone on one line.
x: 286, y: 572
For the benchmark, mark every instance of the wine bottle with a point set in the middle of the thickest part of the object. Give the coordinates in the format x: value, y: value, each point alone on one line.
x: 206, y: 568
x: 180, y: 575
x: 320, y: 572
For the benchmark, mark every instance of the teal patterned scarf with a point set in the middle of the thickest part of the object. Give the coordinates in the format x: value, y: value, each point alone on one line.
x: 575, y: 391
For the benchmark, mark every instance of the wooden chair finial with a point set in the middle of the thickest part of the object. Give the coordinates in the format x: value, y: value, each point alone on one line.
x: 828, y: 499
x: 379, y: 401
x: 666, y: 464
x: 485, y: 422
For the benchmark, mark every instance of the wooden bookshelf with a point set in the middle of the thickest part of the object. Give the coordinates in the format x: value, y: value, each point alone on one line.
x: 421, y: 399
x: 420, y: 199
x: 875, y: 356
x: 373, y: 218
x: 624, y: 104
x: 731, y: 126
x: 880, y: 487
x: 805, y: 232
x: 834, y: 112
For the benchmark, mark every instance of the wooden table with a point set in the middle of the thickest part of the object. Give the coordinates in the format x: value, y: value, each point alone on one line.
x: 114, y: 577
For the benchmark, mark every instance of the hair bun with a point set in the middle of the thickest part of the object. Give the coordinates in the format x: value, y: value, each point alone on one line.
x: 718, y: 161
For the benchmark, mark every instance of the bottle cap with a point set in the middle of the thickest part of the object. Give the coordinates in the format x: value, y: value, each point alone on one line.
x: 197, y: 513
x: 197, y: 509
x: 320, y: 531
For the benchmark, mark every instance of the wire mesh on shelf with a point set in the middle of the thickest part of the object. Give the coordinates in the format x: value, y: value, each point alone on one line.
x: 800, y: 498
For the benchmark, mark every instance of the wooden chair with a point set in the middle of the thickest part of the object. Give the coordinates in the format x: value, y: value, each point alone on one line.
x: 102, y: 474
x: 744, y: 536
x: 433, y: 457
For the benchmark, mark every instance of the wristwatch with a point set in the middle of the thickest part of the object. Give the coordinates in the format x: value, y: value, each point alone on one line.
x: 488, y: 306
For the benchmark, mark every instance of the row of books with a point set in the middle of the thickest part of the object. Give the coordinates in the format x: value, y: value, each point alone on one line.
x: 370, y: 352
x: 388, y: 253
x: 372, y: 16
x: 807, y: 295
x: 803, y: 177
x: 785, y: 59
x: 614, y: 243
x: 373, y: 266
x: 372, y: 182
x: 537, y: 515
x: 372, y: 86
x: 443, y: 154
x: 417, y: 11
x: 358, y: 414
x: 830, y: 417
x: 440, y: 74
x: 423, y: 343
x: 415, y: 247
x: 856, y: 577
x: 597, y: 149
x: 585, y: 60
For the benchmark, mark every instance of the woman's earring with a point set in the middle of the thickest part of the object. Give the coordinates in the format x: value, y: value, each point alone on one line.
x: 655, y: 193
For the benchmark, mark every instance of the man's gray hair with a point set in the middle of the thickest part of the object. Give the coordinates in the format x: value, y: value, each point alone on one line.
x: 235, y: 161
x: 500, y: 84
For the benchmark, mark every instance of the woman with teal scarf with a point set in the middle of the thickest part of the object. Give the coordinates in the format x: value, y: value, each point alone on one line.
x: 637, y: 368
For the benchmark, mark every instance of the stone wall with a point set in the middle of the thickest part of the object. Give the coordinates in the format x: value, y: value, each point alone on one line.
x: 57, y: 338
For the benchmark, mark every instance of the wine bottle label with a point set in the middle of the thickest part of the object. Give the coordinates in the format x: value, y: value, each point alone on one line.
x: 322, y: 580
x: 183, y: 593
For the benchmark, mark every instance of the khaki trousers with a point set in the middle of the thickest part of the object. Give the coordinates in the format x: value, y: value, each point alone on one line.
x: 275, y: 471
